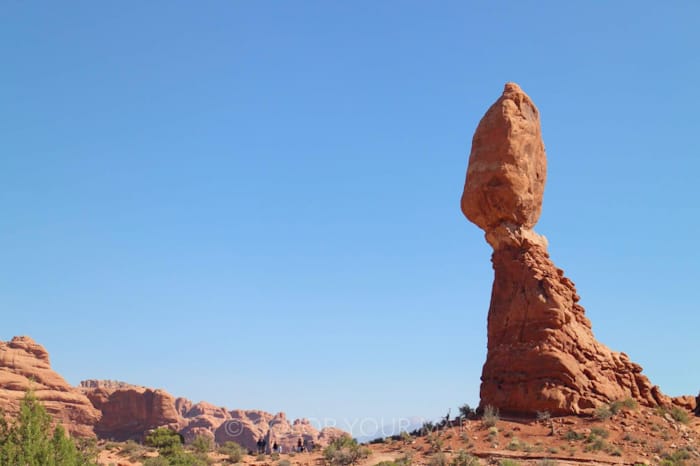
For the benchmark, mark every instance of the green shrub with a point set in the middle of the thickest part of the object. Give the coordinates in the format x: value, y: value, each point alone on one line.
x: 29, y: 440
x: 202, y: 444
x: 164, y: 439
x: 156, y: 461
x: 679, y: 414
x: 514, y: 444
x: 232, y: 450
x: 462, y: 458
x: 169, y: 446
x: 572, y: 435
x: 600, y: 432
x: 284, y: 463
x: 466, y: 411
x: 603, y: 412
x: 435, y: 442
x: 345, y: 451
x: 507, y: 462
x: 677, y: 458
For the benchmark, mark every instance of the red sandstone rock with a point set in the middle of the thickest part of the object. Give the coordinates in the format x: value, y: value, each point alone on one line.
x: 688, y: 402
x: 507, y: 164
x: 129, y: 411
x: 24, y: 364
x: 542, y: 355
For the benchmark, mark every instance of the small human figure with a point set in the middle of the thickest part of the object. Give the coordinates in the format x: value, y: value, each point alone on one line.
x: 260, y: 445
x: 275, y: 447
x: 300, y: 446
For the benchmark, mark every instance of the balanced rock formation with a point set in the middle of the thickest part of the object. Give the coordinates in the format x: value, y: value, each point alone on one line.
x: 542, y: 355
x: 25, y: 365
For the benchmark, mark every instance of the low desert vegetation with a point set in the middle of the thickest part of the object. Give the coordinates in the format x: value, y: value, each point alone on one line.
x: 491, y: 416
x: 604, y: 412
x: 466, y: 412
x: 438, y: 459
x: 507, y: 462
x: 171, y: 451
x: 202, y: 444
x: 677, y: 458
x: 345, y: 451
x: 233, y: 451
x: 30, y: 440
x: 462, y: 458
x: 406, y: 460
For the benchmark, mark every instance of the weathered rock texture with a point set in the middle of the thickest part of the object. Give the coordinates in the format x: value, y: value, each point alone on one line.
x: 542, y: 355
x: 24, y: 365
x: 130, y: 411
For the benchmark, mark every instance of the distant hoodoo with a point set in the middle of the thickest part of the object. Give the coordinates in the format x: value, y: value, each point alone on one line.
x: 542, y: 355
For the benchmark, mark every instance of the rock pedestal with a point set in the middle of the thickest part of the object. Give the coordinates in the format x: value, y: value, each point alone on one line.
x: 542, y: 355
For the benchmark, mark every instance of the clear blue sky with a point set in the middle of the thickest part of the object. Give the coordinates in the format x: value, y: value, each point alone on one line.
x: 257, y: 203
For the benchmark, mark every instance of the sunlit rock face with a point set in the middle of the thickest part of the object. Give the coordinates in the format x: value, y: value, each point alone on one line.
x: 542, y: 355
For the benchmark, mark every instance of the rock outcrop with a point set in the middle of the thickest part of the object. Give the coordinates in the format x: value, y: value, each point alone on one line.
x: 25, y: 364
x: 542, y: 355
x: 130, y: 411
x: 121, y: 411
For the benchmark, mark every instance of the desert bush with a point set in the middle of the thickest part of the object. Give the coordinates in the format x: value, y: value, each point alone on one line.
x: 543, y: 415
x: 435, y: 442
x: 677, y: 458
x: 466, y: 411
x: 164, y: 439
x: 490, y: 416
x: 462, y: 458
x: 603, y: 412
x: 573, y: 435
x: 405, y: 460
x: 170, y: 448
x: 514, y: 444
x: 507, y: 462
x: 679, y: 414
x: 493, y: 433
x: 595, y: 443
x: 599, y: 432
x: 438, y: 459
x: 156, y: 461
x: 427, y: 428
x: 345, y: 451
x: 284, y: 463
x: 30, y: 440
x: 202, y: 444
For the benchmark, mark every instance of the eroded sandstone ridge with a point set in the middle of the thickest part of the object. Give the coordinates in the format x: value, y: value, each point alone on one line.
x: 542, y: 355
x: 130, y: 411
x: 24, y: 364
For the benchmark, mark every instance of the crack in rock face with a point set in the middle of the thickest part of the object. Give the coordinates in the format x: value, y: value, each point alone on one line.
x: 542, y: 355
